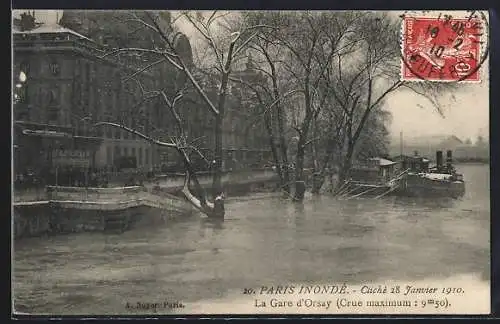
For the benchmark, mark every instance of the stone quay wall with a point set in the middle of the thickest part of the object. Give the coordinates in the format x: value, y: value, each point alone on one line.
x: 59, y: 210
x: 71, y: 209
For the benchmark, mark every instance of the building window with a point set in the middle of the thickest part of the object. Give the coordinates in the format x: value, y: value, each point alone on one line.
x: 157, y: 156
x: 23, y: 114
x: 86, y: 82
x: 109, y: 131
x: 109, y: 157
x: 99, y: 131
x: 125, y: 151
x: 53, y: 97
x: 114, y: 102
x: 117, y: 152
x: 146, y: 156
x: 55, y: 68
x: 24, y: 67
x: 53, y: 115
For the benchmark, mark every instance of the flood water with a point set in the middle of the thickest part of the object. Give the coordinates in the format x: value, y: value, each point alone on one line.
x: 267, y: 241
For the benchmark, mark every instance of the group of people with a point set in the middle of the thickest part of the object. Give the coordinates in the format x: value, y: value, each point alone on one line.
x: 78, y: 177
x: 62, y: 176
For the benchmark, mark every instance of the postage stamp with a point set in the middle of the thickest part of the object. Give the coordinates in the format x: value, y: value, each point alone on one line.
x: 443, y: 48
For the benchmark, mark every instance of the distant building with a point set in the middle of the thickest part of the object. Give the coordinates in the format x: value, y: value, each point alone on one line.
x: 428, y: 145
x: 450, y: 143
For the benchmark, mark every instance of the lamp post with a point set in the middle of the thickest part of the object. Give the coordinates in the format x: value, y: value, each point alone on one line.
x: 20, y: 88
x: 19, y: 96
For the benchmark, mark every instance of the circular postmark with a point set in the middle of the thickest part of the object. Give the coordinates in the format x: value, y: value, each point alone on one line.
x: 448, y: 47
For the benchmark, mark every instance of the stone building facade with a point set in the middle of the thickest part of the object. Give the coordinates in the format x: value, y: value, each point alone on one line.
x: 68, y: 87
x: 69, y: 84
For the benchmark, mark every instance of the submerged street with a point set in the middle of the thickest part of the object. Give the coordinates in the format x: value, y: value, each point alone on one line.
x: 262, y: 242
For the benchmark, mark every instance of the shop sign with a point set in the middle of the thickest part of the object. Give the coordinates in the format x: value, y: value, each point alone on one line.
x: 71, y: 157
x: 45, y: 133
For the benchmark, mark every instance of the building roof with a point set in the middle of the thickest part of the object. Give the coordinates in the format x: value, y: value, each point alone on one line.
x: 410, y: 157
x: 50, y: 29
x: 382, y: 161
x: 426, y: 140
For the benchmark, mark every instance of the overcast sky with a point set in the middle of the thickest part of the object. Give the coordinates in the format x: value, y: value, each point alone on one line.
x: 466, y: 116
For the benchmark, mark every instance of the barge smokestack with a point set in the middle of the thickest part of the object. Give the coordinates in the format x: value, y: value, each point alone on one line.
x: 449, y: 159
x: 439, y: 159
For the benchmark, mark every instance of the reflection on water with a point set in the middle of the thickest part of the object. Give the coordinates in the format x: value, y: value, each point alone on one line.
x: 264, y: 241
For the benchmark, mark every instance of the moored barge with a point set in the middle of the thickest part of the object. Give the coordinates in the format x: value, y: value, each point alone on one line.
x: 405, y: 176
x: 442, y: 180
x: 374, y: 177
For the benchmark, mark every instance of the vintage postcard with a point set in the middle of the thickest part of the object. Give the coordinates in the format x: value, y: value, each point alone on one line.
x: 250, y: 162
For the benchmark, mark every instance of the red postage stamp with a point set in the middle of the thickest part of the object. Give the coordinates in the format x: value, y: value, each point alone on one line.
x: 442, y: 48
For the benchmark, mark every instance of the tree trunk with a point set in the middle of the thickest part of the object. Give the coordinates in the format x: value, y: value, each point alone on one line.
x: 318, y: 176
x: 274, y: 149
x: 284, y: 165
x: 217, y: 188
x: 318, y: 181
x: 346, y: 166
x: 300, y: 185
x: 280, y: 115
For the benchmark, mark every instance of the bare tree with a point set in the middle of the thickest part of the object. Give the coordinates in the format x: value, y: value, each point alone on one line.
x: 277, y: 92
x: 169, y: 51
x: 365, y: 79
x: 307, y: 43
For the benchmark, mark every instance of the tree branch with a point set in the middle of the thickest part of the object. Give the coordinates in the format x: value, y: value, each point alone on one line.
x: 133, y: 49
x: 184, y: 68
x: 139, y: 134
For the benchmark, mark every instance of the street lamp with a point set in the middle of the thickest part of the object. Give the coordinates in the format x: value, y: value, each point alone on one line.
x: 22, y: 77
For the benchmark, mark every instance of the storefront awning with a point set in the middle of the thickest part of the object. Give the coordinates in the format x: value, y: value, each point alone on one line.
x: 88, y: 138
x: 74, y: 162
x: 87, y: 141
x: 45, y: 133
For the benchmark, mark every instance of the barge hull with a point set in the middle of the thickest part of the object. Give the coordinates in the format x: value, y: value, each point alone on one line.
x: 416, y: 186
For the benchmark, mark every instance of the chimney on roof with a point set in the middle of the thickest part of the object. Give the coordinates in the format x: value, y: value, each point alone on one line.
x: 439, y: 159
x: 449, y: 159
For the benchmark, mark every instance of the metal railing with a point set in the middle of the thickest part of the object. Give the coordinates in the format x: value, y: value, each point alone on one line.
x: 29, y: 194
